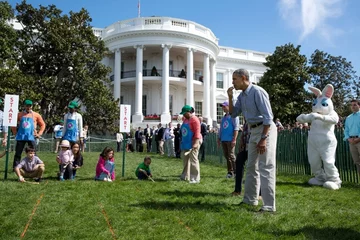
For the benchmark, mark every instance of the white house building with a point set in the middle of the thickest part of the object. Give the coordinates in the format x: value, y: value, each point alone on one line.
x: 160, y: 64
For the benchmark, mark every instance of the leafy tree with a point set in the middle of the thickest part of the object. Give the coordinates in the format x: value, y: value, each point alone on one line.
x: 12, y: 80
x: 284, y: 81
x: 337, y: 71
x: 63, y: 56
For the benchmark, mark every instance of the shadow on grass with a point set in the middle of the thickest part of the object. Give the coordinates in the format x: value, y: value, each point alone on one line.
x: 175, y: 206
x: 194, y: 194
x: 326, y: 233
x: 303, y: 184
x: 197, y: 205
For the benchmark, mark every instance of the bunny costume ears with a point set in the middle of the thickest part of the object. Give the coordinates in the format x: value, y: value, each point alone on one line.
x: 328, y: 91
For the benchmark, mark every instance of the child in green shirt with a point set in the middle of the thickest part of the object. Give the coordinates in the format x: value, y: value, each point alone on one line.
x: 143, y: 170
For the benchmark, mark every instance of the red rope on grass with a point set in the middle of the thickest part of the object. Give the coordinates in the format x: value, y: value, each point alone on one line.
x: 181, y: 223
x: 107, y: 221
x: 31, y: 216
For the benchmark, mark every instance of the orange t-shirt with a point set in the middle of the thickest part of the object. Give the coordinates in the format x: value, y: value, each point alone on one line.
x: 38, y: 121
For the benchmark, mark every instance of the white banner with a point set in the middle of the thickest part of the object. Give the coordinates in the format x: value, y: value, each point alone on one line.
x: 125, y: 111
x: 11, y: 109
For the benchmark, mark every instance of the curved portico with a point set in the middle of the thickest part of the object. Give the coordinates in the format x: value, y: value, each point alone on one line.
x: 183, y: 39
x: 160, y: 63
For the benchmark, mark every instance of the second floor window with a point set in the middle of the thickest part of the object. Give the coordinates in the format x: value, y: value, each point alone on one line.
x: 219, y: 80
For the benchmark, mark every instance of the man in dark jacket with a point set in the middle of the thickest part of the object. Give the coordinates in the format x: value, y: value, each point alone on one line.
x: 203, y: 131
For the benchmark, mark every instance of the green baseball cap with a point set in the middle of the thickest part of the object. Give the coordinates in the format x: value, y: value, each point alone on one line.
x: 74, y: 104
x: 71, y: 106
x: 28, y: 102
x: 185, y: 109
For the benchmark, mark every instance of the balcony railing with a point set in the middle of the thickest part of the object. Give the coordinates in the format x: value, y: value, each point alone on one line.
x: 158, y: 23
x: 152, y: 73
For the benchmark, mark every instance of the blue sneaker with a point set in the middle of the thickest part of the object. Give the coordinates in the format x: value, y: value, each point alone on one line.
x: 61, y: 178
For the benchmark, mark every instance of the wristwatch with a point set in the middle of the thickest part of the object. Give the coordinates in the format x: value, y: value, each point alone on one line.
x: 264, y: 136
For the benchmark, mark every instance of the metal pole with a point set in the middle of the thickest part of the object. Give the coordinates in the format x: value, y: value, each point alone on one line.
x: 7, y: 153
x: 124, y: 149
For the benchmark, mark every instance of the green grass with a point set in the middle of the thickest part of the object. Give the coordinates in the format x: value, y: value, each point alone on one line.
x: 169, y: 208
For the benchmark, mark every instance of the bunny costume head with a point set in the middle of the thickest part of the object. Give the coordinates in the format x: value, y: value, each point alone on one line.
x: 322, y: 142
x: 322, y: 104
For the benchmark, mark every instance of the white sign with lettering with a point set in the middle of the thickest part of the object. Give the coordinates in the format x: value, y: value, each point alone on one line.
x: 11, y: 109
x: 125, y: 111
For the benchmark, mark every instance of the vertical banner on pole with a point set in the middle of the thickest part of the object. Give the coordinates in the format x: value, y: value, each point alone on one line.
x: 125, y: 111
x: 11, y: 109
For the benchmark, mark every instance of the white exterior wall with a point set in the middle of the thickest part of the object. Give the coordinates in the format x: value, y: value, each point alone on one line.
x: 180, y: 36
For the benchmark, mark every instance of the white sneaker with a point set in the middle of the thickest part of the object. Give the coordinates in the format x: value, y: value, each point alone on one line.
x: 229, y: 175
x: 105, y: 179
x: 109, y: 180
x: 194, y: 181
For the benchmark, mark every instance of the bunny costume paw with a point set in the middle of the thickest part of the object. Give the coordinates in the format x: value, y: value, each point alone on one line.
x: 322, y: 142
x: 332, y: 185
x: 315, y: 182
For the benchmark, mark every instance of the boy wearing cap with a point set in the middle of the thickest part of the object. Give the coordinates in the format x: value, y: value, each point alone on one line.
x: 26, y: 132
x: 190, y: 144
x: 3, y: 128
x: 73, y: 124
x: 227, y: 138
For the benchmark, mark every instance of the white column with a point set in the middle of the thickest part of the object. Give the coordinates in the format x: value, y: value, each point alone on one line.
x: 190, y: 78
x: 213, y: 91
x: 138, y: 116
x: 206, y: 90
x: 165, y: 115
x: 117, y: 75
x: 229, y: 81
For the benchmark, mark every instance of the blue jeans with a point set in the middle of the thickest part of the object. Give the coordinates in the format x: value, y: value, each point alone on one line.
x: 142, y: 176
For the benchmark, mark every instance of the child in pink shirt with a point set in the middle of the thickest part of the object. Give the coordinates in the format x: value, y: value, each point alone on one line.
x: 65, y: 159
x: 105, y: 168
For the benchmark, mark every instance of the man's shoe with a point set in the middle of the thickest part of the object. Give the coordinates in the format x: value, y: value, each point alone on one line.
x: 194, y: 181
x: 262, y: 211
x: 229, y: 175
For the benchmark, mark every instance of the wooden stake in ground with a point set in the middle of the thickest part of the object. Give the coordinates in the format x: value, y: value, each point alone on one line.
x: 35, y: 183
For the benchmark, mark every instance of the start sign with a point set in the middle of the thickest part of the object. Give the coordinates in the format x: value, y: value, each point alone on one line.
x: 125, y: 111
x: 11, y: 109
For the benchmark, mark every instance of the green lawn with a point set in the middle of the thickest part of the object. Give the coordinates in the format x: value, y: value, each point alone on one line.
x: 169, y: 208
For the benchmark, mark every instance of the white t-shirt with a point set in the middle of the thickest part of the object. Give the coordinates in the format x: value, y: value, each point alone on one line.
x: 119, y: 137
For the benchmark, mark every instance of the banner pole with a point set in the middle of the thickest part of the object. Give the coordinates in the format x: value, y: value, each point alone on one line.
x: 124, y: 150
x: 7, y: 153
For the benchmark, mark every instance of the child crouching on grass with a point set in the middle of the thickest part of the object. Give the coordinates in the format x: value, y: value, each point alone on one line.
x: 78, y: 158
x: 143, y: 170
x: 65, y: 159
x: 105, y: 168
